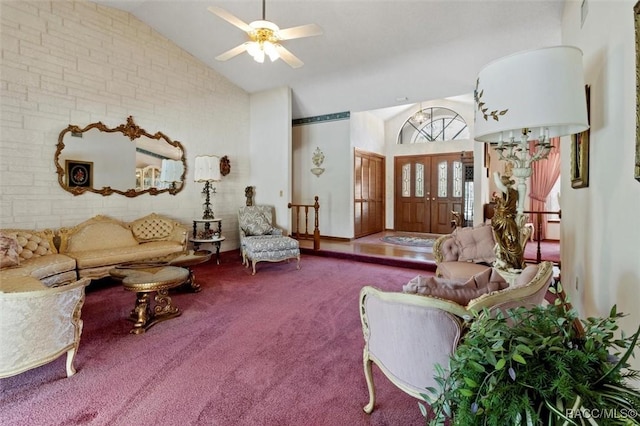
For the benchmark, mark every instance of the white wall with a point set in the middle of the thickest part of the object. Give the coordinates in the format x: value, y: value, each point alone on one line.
x: 334, y: 187
x: 76, y: 62
x: 600, y: 235
x: 270, y: 151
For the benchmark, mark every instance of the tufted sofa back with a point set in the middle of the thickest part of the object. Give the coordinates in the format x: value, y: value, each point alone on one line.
x: 32, y: 243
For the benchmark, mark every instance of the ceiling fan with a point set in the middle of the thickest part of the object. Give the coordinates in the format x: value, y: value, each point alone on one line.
x: 265, y: 38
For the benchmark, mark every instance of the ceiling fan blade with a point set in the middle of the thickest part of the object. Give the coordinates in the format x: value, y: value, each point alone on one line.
x: 232, y: 52
x: 308, y: 30
x: 291, y: 59
x: 230, y: 18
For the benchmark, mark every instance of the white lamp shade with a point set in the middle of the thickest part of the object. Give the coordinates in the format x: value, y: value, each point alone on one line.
x: 207, y: 168
x: 536, y: 89
x: 171, y: 171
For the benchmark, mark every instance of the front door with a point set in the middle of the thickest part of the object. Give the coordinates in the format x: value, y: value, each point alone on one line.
x: 428, y: 188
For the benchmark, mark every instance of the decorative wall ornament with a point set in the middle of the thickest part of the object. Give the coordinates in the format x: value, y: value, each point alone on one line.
x: 317, y: 159
x: 225, y: 166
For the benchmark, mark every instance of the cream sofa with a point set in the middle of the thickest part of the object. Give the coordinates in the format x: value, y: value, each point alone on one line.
x: 101, y: 243
x: 30, y: 260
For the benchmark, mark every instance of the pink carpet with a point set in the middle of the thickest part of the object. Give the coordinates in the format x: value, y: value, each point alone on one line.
x: 549, y: 250
x: 283, y: 347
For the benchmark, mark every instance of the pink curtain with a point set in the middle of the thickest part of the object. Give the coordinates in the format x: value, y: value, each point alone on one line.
x: 544, y: 176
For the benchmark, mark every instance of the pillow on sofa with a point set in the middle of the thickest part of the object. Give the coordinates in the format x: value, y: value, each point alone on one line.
x: 151, y: 228
x: 9, y: 251
x: 457, y: 291
x: 258, y: 226
x: 475, y: 244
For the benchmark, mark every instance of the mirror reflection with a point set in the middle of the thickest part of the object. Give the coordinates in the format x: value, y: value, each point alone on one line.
x: 125, y: 160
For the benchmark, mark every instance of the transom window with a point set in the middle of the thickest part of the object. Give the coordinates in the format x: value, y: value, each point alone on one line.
x: 433, y: 124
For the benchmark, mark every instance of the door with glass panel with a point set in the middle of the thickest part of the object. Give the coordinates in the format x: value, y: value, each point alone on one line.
x: 428, y: 189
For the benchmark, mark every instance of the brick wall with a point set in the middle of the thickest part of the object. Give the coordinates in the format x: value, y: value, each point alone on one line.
x: 75, y: 62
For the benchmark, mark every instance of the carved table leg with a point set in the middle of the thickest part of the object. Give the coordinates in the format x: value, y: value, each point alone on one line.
x: 190, y: 284
x: 141, y: 313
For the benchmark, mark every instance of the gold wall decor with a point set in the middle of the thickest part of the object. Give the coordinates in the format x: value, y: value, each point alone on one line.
x: 636, y: 11
x: 580, y: 151
x: 112, y: 160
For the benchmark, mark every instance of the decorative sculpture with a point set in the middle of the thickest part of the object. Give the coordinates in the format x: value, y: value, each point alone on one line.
x: 506, y: 227
x: 248, y: 192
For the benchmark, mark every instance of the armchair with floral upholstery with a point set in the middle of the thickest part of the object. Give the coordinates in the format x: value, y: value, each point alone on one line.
x: 407, y: 333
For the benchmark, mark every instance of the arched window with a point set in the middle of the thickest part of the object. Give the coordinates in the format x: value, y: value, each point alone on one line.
x: 433, y: 124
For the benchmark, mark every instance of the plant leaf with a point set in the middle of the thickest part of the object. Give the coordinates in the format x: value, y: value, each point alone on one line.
x: 501, y: 363
x: 518, y: 358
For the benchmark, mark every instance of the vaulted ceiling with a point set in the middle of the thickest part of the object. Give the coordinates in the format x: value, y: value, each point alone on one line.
x: 372, y: 54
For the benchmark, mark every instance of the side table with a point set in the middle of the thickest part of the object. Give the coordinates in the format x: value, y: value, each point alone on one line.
x: 207, y: 235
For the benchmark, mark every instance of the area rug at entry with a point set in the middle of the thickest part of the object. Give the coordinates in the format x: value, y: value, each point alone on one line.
x: 408, y: 240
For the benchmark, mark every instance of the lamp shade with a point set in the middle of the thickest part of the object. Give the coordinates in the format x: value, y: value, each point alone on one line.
x: 539, y: 89
x: 207, y: 168
x: 171, y: 171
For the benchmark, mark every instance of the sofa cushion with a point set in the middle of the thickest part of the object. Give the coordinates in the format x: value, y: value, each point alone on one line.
x: 113, y: 256
x: 9, y: 251
x: 259, y: 225
x: 457, y: 291
x: 101, y: 236
x: 42, y: 267
x: 460, y: 270
x: 475, y: 244
x: 20, y: 284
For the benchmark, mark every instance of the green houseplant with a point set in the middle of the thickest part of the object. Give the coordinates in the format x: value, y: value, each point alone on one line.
x: 538, y: 366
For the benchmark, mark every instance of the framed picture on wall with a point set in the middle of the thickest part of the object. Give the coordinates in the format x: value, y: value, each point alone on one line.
x: 636, y: 11
x: 79, y: 173
x: 580, y: 152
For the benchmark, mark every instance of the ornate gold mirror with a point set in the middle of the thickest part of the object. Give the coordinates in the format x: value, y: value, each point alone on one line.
x: 123, y: 160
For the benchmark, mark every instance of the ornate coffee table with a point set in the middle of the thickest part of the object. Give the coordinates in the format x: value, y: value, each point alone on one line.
x: 191, y: 258
x: 144, y: 280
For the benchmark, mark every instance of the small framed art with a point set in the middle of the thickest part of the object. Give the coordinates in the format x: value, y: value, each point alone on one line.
x: 79, y: 173
x: 580, y: 152
x: 636, y: 11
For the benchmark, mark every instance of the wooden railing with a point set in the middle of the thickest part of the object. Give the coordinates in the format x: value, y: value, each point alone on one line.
x: 316, y: 231
x: 538, y: 232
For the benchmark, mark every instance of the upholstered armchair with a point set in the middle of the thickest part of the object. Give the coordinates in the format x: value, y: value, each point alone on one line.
x: 255, y: 221
x: 38, y: 324
x: 407, y: 334
x: 260, y: 241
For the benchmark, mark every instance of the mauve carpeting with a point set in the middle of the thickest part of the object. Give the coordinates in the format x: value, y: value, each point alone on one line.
x: 283, y: 347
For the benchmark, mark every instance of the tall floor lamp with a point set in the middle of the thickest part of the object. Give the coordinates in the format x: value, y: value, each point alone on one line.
x: 207, y: 170
x: 531, y: 95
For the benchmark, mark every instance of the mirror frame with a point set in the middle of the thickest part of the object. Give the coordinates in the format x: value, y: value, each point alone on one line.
x: 132, y: 131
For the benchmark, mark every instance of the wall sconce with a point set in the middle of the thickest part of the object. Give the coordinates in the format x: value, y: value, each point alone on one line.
x: 317, y: 159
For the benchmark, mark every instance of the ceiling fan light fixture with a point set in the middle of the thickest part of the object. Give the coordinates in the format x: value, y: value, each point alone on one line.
x: 270, y: 50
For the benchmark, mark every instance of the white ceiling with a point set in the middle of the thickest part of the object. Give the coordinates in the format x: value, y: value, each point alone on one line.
x: 373, y: 54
